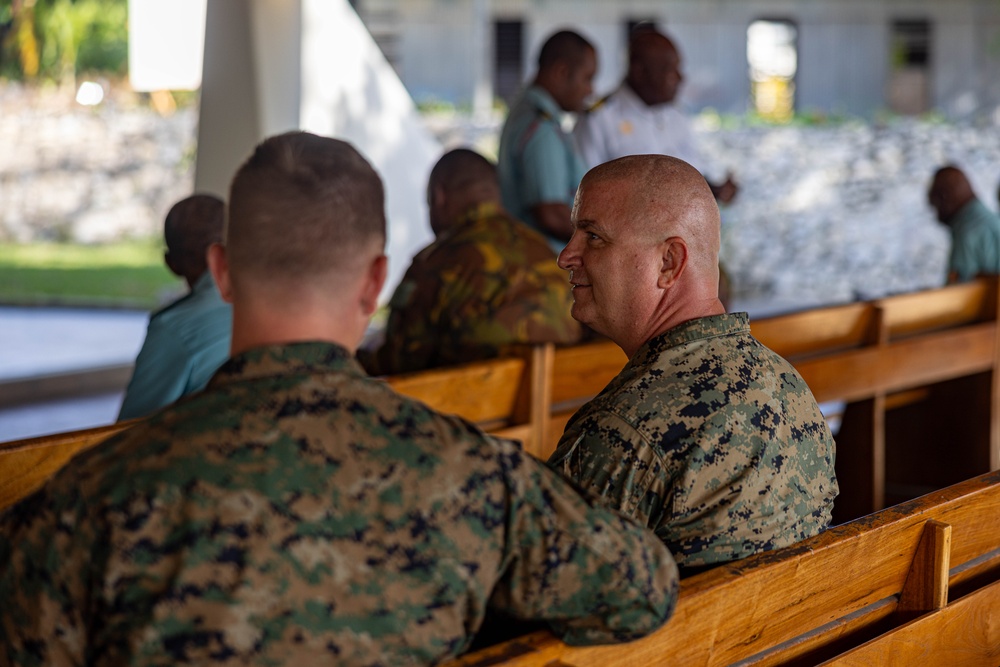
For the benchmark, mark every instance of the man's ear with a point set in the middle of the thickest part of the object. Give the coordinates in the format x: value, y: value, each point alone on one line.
x: 374, y: 281
x: 218, y: 264
x: 674, y: 261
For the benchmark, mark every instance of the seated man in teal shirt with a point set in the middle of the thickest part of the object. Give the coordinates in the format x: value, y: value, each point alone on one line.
x: 975, y: 230
x: 538, y: 165
x: 189, y: 339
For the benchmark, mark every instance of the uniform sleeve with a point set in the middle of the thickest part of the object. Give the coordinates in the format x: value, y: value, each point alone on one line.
x: 46, y: 554
x: 608, y: 458
x: 161, y: 373
x: 592, y: 574
x: 411, y: 331
x: 546, y: 168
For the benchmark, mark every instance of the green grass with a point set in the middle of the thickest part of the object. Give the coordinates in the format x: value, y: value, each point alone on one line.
x: 129, y: 275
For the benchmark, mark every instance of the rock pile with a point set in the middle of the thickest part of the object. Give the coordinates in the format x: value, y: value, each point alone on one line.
x: 89, y: 174
x: 839, y: 213
x: 826, y: 214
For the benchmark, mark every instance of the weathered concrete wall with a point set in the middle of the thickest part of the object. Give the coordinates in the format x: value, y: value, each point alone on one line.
x: 89, y: 174
x: 844, y: 46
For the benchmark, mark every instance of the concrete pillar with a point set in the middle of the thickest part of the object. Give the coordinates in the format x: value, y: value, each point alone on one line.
x: 277, y: 65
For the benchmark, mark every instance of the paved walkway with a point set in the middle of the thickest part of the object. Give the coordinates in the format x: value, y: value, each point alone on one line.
x: 48, y: 341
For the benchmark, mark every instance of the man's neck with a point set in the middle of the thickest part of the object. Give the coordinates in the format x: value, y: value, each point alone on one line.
x: 255, y: 326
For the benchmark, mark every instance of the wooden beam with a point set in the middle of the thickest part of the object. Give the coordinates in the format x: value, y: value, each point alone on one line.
x: 926, y: 587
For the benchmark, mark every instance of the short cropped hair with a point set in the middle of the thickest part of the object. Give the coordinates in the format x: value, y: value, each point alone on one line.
x: 461, y: 167
x: 563, y: 46
x: 302, y: 205
x: 191, y: 225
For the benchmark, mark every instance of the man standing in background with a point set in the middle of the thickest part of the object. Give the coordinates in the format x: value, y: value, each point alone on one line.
x: 538, y: 165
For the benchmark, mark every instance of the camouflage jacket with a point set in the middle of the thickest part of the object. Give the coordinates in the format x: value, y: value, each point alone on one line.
x: 298, y: 512
x: 488, y: 282
x: 711, y: 440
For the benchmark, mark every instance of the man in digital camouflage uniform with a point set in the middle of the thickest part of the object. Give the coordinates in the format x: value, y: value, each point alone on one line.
x: 706, y: 436
x: 297, y: 512
x: 487, y: 281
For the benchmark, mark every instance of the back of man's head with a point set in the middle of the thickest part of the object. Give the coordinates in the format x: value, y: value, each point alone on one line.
x: 302, y: 208
x: 461, y: 179
x: 191, y: 226
x: 950, y: 191
x: 564, y: 46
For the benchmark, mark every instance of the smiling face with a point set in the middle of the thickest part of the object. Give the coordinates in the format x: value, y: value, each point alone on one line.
x: 614, y: 262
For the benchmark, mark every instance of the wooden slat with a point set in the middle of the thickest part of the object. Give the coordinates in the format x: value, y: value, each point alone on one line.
x: 947, y: 307
x: 480, y: 392
x: 582, y: 371
x: 823, y: 330
x: 847, y: 376
x: 26, y: 464
x: 937, y: 357
x: 780, y: 606
x: 966, y: 633
x: 926, y: 587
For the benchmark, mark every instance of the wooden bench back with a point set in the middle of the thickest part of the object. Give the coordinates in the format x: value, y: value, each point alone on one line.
x: 819, y: 598
x: 818, y: 331
x: 578, y: 374
x: 505, y: 397
x: 26, y: 464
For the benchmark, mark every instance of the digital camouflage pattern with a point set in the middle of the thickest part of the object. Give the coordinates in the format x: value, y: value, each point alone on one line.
x: 711, y: 440
x: 486, y: 283
x: 299, y: 513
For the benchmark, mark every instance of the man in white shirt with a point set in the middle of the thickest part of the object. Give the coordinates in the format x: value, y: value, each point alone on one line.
x: 640, y: 117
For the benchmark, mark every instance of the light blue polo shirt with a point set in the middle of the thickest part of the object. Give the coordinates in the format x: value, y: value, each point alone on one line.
x: 538, y: 162
x: 185, y: 344
x: 975, y: 241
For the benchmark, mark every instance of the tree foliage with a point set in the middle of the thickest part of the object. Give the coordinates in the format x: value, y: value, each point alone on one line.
x: 60, y: 39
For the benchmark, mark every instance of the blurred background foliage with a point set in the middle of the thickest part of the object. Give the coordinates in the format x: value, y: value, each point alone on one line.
x: 58, y: 40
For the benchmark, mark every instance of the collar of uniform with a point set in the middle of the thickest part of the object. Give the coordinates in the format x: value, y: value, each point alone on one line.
x: 279, y: 360
x: 487, y: 209
x: 697, y: 329
x: 544, y: 102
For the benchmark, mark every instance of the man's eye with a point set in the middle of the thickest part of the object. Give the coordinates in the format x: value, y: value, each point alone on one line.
x: 591, y: 236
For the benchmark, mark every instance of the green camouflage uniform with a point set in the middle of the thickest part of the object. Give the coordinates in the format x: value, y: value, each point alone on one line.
x: 298, y: 512
x: 487, y: 282
x: 711, y: 440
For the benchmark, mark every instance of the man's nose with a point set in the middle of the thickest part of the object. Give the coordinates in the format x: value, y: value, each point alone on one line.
x: 569, y: 257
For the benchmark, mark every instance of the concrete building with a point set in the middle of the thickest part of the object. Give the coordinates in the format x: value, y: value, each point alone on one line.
x: 850, y: 56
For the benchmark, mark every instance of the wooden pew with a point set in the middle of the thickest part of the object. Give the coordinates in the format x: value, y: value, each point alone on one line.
x: 26, y: 464
x: 907, y: 365
x: 502, y: 396
x: 506, y: 397
x: 928, y: 566
x: 579, y: 373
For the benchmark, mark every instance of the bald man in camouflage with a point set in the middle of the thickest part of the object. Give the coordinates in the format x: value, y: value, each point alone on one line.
x: 297, y: 512
x: 706, y: 436
x: 487, y: 282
